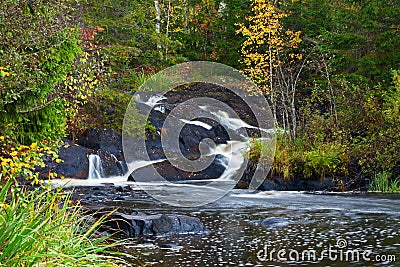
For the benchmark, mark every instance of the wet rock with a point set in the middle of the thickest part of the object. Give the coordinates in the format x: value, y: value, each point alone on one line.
x: 171, y: 173
x: 271, y: 222
x: 107, y: 143
x: 94, y: 196
x: 105, y: 139
x: 297, y: 184
x: 160, y: 224
x: 188, y: 138
x: 111, y: 165
x: 74, y: 163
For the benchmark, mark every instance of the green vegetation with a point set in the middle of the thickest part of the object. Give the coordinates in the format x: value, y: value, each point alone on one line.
x: 34, y: 60
x: 315, y: 159
x: 330, y: 70
x: 383, y: 183
x: 41, y: 228
x: 335, y: 93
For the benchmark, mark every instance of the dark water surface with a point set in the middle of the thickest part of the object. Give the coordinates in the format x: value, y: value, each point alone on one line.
x: 310, y: 230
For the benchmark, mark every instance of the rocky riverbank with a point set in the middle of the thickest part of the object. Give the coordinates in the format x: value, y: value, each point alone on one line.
x: 107, y: 145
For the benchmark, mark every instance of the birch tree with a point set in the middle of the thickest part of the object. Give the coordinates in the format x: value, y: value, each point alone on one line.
x: 269, y: 58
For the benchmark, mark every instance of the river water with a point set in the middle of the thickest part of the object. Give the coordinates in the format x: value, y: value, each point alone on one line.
x: 302, y: 230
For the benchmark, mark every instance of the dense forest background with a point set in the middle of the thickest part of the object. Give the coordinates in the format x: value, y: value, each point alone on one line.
x: 330, y: 70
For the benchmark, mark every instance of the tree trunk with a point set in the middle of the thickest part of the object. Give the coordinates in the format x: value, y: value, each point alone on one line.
x: 158, y: 19
x: 293, y: 112
x: 271, y: 86
x: 168, y: 19
x: 186, y: 17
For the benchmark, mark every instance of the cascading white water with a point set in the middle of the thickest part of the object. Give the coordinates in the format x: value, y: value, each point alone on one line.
x: 223, y: 118
x: 152, y: 101
x: 160, y: 108
x: 232, y: 123
x: 198, y: 123
x: 233, y: 152
x: 95, y: 167
x: 139, y: 164
x: 97, y: 179
x: 233, y: 159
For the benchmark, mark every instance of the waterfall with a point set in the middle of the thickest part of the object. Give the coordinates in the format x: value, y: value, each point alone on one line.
x: 133, y: 166
x: 232, y: 123
x: 233, y: 159
x: 152, y: 101
x: 232, y: 153
x: 120, y: 164
x: 198, y: 123
x: 95, y: 167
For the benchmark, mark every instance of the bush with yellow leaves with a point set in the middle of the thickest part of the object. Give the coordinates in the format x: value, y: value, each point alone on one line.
x: 19, y: 161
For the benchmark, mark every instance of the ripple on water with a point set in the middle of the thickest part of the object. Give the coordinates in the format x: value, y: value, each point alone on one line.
x: 316, y: 222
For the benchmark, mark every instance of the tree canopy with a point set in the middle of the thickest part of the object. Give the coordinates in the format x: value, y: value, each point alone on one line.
x: 328, y: 68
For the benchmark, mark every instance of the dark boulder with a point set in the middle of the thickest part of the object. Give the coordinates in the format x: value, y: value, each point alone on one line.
x: 160, y: 224
x: 189, y: 136
x: 105, y: 139
x: 74, y: 162
x: 111, y: 165
x: 171, y: 173
x: 297, y: 184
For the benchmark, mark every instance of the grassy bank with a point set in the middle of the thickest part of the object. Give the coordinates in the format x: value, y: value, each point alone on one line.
x: 42, y: 228
x: 325, y: 159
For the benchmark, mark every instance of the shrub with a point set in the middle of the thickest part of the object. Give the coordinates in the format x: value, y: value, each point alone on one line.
x: 325, y: 159
x: 310, y: 159
x: 259, y: 150
x: 34, y: 62
x: 287, y: 161
x: 108, y: 107
x: 19, y: 161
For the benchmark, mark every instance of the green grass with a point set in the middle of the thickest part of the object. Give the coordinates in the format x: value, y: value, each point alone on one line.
x: 42, y: 228
x: 382, y: 183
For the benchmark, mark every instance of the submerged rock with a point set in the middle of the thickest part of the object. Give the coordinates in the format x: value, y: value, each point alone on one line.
x: 272, y: 222
x: 170, y: 247
x: 160, y: 224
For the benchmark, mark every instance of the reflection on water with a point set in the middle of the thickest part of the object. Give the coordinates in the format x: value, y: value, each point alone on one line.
x: 315, y: 222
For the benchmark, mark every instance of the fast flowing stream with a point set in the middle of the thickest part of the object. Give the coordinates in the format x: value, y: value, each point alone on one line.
x: 308, y: 229
x: 263, y: 228
x: 254, y: 229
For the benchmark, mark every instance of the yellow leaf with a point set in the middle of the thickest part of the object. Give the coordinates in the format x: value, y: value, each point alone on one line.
x: 34, y: 146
